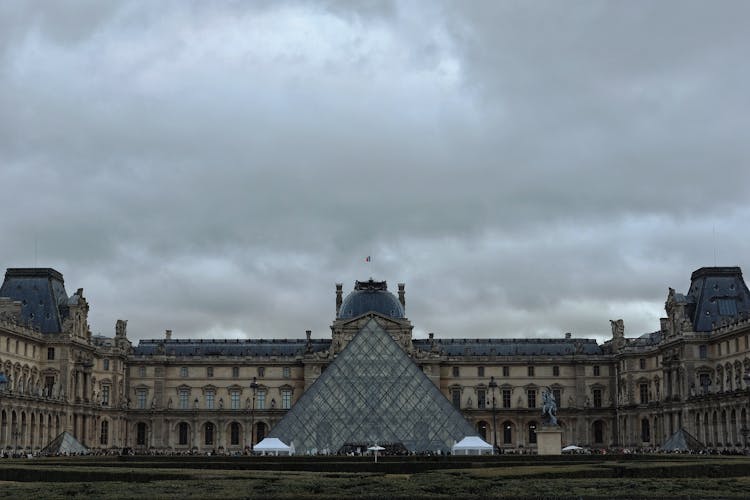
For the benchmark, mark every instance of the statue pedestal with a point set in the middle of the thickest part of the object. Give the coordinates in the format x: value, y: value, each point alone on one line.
x: 549, y: 440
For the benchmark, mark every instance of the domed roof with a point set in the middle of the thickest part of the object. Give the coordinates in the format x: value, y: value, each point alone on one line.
x: 370, y: 296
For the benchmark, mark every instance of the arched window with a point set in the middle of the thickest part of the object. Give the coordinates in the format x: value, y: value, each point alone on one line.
x: 732, y: 434
x: 260, y: 430
x: 598, y: 432
x: 104, y: 435
x: 208, y: 434
x: 645, y: 430
x: 234, y: 434
x: 140, y: 434
x: 482, y: 429
x: 532, y: 432
x: 182, y: 433
x: 507, y: 432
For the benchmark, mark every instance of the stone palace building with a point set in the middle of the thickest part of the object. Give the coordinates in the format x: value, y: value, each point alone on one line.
x: 185, y: 394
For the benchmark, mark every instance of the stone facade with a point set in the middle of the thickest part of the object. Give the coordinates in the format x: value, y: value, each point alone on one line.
x: 187, y: 394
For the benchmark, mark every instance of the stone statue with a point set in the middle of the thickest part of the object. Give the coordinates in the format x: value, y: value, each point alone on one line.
x: 618, y: 328
x: 549, y: 407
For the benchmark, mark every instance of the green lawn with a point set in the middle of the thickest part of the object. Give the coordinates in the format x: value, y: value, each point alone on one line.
x: 717, y: 477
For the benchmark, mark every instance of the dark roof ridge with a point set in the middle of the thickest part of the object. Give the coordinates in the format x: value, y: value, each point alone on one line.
x: 33, y: 272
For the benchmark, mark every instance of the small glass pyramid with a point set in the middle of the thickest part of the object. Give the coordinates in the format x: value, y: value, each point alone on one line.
x: 372, y: 393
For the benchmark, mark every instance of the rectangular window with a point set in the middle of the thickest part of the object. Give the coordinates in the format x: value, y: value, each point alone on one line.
x: 456, y: 372
x: 481, y: 399
x: 235, y: 399
x: 558, y: 397
x: 703, y: 351
x: 235, y: 372
x: 184, y: 396
x: 704, y: 379
x: 737, y: 344
x: 506, y: 371
x: 286, y: 399
x: 105, y: 364
x: 261, y: 371
x: 260, y: 400
x: 104, y: 436
x: 718, y: 347
x: 50, y: 353
x: 555, y: 371
x: 480, y: 371
x: 642, y: 363
x: 597, y: 371
x: 210, y: 400
x: 105, y: 395
x: 209, y: 371
x: 644, y: 393
x: 597, y: 398
x: 531, y: 398
x: 286, y: 372
x: 49, y: 383
x: 506, y: 398
x: 456, y: 397
x: 141, y: 398
x: 183, y: 371
x: 531, y: 371
x: 141, y: 371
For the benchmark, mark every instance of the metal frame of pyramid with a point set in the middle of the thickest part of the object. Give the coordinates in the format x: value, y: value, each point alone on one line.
x: 64, y: 443
x: 373, y: 392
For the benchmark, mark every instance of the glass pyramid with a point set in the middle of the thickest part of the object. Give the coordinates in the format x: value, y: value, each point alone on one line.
x: 372, y: 393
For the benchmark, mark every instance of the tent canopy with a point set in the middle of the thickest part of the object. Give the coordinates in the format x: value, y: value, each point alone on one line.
x: 572, y: 447
x: 64, y: 444
x: 471, y: 445
x: 682, y: 440
x: 272, y: 445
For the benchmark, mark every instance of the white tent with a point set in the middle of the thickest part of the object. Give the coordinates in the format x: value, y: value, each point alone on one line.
x: 472, y: 445
x: 273, y: 446
x: 572, y: 447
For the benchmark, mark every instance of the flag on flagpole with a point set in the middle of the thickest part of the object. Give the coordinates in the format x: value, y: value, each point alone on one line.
x: 368, y: 259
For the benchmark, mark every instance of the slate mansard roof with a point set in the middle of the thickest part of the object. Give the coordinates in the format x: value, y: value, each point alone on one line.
x: 369, y: 296
x: 229, y: 347
x: 298, y: 347
x: 510, y: 347
x: 41, y: 292
x: 716, y: 294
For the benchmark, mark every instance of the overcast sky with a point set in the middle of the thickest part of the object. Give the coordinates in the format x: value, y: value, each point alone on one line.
x: 526, y: 168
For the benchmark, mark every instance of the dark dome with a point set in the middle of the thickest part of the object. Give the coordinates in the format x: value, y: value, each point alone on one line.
x: 370, y: 296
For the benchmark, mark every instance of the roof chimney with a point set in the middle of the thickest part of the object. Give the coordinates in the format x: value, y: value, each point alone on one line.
x: 308, y: 333
x: 168, y: 334
x: 402, y: 295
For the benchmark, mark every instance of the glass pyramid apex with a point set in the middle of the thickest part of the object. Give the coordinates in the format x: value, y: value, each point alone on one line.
x: 373, y: 392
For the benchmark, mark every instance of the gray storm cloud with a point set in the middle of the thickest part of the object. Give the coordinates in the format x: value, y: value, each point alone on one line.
x: 526, y: 169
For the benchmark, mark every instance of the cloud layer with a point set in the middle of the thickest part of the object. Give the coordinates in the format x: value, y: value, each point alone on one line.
x: 526, y: 169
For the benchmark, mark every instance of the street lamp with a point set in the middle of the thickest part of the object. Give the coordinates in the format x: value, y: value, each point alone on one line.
x: 254, y: 387
x: 493, y: 385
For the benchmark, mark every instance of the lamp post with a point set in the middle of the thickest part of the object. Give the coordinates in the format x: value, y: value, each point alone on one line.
x: 493, y: 385
x: 254, y: 387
